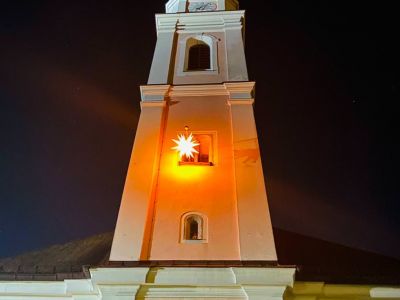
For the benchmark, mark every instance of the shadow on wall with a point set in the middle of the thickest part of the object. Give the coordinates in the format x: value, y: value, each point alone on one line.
x: 247, y: 151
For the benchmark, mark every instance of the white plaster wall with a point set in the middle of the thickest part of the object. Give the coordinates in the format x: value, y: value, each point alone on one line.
x: 163, y: 54
x: 131, y: 235
x: 169, y: 56
x: 255, y: 228
x: 236, y: 60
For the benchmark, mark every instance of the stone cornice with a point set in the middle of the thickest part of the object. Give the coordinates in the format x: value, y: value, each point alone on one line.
x: 241, y: 101
x: 238, y: 92
x: 197, y: 22
x: 154, y: 93
x: 198, y: 90
x: 166, y: 25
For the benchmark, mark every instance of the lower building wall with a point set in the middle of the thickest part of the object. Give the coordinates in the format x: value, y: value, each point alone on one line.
x: 186, y: 283
x: 320, y: 290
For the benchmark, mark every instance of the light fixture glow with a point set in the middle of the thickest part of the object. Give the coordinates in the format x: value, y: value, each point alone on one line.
x: 185, y: 146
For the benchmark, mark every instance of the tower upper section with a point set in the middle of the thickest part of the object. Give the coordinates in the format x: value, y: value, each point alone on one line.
x: 182, y: 6
x: 199, y: 42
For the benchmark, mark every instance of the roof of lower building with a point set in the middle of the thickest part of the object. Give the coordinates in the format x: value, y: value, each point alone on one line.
x: 316, y: 260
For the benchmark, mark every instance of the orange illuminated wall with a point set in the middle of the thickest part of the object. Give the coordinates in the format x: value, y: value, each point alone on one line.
x: 209, y: 190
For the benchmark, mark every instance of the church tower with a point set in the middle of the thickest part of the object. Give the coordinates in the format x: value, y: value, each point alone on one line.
x: 195, y: 188
x: 194, y: 221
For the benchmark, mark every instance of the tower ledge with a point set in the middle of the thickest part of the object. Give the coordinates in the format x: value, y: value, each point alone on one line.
x: 235, y: 91
x: 209, y: 20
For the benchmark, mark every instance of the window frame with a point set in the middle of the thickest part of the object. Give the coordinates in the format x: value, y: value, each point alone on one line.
x: 204, y: 228
x: 183, y: 55
x: 213, y: 153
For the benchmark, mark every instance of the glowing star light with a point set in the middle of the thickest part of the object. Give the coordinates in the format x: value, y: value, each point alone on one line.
x: 185, y: 146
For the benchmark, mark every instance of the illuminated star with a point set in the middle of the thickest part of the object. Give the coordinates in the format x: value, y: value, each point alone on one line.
x: 185, y: 146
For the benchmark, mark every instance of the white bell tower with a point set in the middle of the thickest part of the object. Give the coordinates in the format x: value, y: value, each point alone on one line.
x: 210, y: 205
x: 194, y: 220
x: 215, y: 24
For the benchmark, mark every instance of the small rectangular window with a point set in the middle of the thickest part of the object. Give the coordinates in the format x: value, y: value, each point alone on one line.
x: 204, y: 151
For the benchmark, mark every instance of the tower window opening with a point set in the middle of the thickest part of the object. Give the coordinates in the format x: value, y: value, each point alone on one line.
x: 194, y: 228
x: 199, y: 57
x: 203, y: 154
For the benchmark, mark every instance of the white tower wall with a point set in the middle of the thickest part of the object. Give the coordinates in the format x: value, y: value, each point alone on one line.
x: 227, y: 194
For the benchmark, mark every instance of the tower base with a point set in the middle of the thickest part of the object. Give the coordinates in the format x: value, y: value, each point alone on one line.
x: 271, y: 283
x: 192, y: 282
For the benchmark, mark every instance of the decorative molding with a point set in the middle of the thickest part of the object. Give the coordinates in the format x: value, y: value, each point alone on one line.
x: 240, y: 102
x: 191, y: 292
x: 183, y: 282
x: 200, y: 22
x: 154, y: 93
x: 239, y: 93
x: 167, y: 26
x: 240, y: 90
x: 236, y: 91
x: 198, y: 90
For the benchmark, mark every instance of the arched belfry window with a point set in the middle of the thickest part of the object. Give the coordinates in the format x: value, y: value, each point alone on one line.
x: 199, y: 54
x: 199, y: 57
x: 194, y: 228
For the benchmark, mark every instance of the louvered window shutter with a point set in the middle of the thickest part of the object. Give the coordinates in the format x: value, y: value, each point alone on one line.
x: 199, y: 57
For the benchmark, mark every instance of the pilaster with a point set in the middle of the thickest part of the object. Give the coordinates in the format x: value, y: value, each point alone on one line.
x: 133, y: 230
x: 163, y: 59
x: 255, y: 228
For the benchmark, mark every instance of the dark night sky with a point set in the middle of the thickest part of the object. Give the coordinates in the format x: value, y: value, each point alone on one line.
x: 327, y: 77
